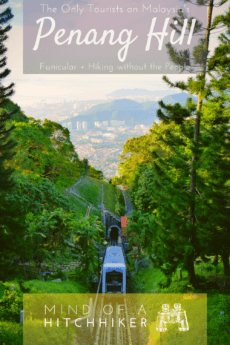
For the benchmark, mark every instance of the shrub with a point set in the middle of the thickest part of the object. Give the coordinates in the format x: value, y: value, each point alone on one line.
x: 10, y: 305
x: 209, y: 267
x: 11, y: 333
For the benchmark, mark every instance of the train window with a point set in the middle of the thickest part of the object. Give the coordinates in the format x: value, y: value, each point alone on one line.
x: 114, y: 233
x: 113, y: 282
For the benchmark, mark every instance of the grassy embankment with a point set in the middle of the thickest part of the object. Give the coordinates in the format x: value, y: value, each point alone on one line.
x: 89, y: 189
x: 39, y: 286
x: 113, y: 199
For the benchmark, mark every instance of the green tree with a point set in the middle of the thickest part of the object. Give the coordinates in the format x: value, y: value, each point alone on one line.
x: 134, y: 153
x: 6, y: 144
x: 219, y: 70
x: 215, y: 172
x: 10, y: 232
x: 161, y: 186
x: 162, y: 189
x: 196, y: 86
x: 170, y: 185
x: 32, y: 236
x: 86, y: 231
x: 86, y: 166
x: 41, y: 153
x: 140, y: 229
x: 98, y: 174
x: 48, y: 232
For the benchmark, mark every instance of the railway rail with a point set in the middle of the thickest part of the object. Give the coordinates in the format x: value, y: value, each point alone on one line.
x: 116, y: 331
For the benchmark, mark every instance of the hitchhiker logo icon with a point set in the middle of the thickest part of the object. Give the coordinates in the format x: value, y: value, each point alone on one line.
x: 176, y: 315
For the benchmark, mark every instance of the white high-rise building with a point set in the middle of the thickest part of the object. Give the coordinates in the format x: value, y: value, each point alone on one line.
x: 84, y: 125
x: 78, y: 125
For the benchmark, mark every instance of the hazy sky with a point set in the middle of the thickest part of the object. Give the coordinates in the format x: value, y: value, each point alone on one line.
x: 32, y: 88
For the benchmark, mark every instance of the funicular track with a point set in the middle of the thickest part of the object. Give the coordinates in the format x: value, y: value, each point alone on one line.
x: 110, y: 307
x: 116, y: 331
x: 111, y: 312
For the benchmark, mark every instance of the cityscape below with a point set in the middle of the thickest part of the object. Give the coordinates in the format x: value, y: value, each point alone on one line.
x: 100, y: 128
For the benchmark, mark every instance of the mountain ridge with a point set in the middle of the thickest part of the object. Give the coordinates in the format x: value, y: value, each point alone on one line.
x: 140, y: 92
x: 127, y: 110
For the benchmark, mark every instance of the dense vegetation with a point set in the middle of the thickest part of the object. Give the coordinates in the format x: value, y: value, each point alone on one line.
x: 179, y: 174
x: 178, y: 177
x: 149, y: 279
x: 44, y: 164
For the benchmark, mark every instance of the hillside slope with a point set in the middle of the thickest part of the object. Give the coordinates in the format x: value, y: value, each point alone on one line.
x: 89, y: 192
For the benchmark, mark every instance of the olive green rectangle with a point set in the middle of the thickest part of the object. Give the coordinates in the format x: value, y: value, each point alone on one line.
x: 147, y: 319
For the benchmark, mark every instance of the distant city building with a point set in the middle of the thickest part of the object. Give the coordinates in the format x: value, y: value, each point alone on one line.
x: 84, y: 125
x: 105, y: 123
x: 76, y: 114
x: 78, y: 125
x: 97, y: 124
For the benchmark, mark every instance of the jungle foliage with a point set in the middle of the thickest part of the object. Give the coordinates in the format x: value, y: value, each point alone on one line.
x: 179, y: 174
x: 37, y: 217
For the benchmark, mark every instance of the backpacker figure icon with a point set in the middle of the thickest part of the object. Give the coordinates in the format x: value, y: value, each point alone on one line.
x: 176, y: 315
